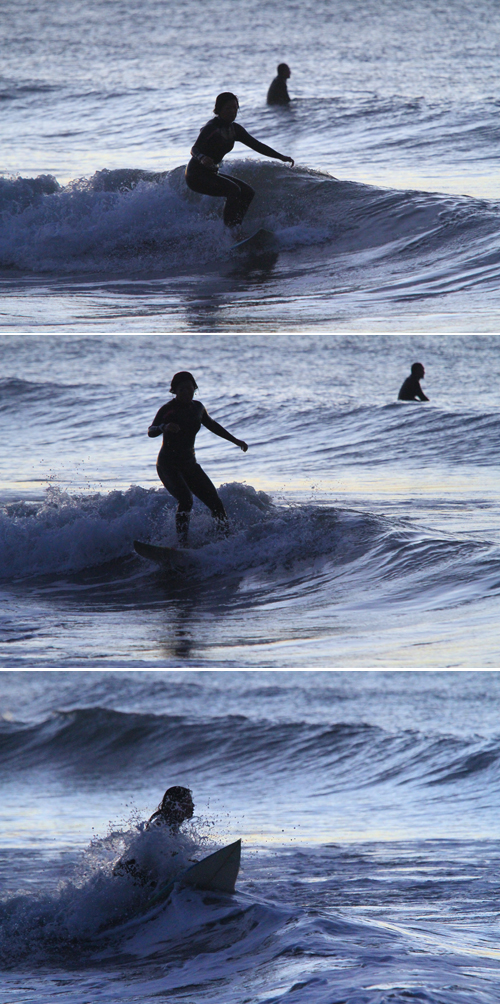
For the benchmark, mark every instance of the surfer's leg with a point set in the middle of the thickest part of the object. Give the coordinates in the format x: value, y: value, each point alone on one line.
x: 201, y: 486
x: 176, y: 485
x: 238, y: 203
x: 237, y: 193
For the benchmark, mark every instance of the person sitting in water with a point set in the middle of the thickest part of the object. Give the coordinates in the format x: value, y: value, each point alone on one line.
x: 215, y: 140
x: 411, y: 389
x: 180, y: 420
x: 175, y: 807
x: 278, y: 91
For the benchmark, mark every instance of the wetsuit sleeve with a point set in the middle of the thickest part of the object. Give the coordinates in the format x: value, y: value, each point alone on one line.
x: 213, y: 426
x: 244, y: 137
x: 158, y: 420
x: 419, y: 393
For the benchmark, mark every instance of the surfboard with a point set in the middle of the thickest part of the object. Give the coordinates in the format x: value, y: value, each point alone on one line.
x: 262, y: 240
x: 174, y: 556
x: 217, y: 872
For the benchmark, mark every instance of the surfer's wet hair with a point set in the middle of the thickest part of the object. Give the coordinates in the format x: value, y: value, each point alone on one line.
x: 176, y: 806
x: 222, y: 99
x: 417, y: 370
x: 177, y: 379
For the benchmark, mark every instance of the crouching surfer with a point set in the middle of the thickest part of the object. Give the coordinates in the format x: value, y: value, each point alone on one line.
x: 180, y: 420
x: 175, y: 807
x: 216, y: 139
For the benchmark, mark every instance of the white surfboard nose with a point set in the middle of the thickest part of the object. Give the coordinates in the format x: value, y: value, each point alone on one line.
x: 218, y: 871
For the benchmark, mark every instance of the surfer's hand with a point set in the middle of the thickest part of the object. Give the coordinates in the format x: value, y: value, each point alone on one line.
x: 207, y: 162
x: 243, y: 446
x: 171, y: 427
x: 289, y: 160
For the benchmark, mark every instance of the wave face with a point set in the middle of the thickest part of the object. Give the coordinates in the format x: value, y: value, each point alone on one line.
x: 305, y: 558
x: 134, y: 221
x: 101, y: 743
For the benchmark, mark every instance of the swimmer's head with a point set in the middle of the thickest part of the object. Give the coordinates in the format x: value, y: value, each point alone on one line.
x: 284, y: 70
x: 226, y: 106
x: 418, y: 371
x: 183, y: 384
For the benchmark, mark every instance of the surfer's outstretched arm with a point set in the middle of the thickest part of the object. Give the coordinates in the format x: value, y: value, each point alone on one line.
x: 244, y: 137
x: 214, y: 426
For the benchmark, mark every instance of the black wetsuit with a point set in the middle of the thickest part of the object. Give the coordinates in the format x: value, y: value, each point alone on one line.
x: 176, y: 464
x: 278, y: 92
x: 411, y: 390
x: 215, y: 140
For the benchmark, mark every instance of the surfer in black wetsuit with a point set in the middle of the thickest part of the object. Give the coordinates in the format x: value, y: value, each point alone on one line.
x: 180, y: 420
x: 278, y: 91
x: 411, y: 389
x: 215, y: 140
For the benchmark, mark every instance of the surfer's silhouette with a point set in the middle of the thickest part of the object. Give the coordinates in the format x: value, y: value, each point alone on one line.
x: 278, y: 91
x: 180, y: 420
x: 215, y: 140
x: 411, y: 390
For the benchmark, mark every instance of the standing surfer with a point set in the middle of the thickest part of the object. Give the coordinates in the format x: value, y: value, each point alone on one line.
x: 215, y: 140
x: 180, y: 420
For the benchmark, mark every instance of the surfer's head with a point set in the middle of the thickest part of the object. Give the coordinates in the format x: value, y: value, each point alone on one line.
x: 226, y: 106
x: 183, y: 385
x: 284, y: 70
x: 176, y: 805
x: 418, y: 371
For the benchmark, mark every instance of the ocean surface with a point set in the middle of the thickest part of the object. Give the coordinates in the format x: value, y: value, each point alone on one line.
x: 365, y: 531
x: 367, y: 803
x: 389, y: 221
